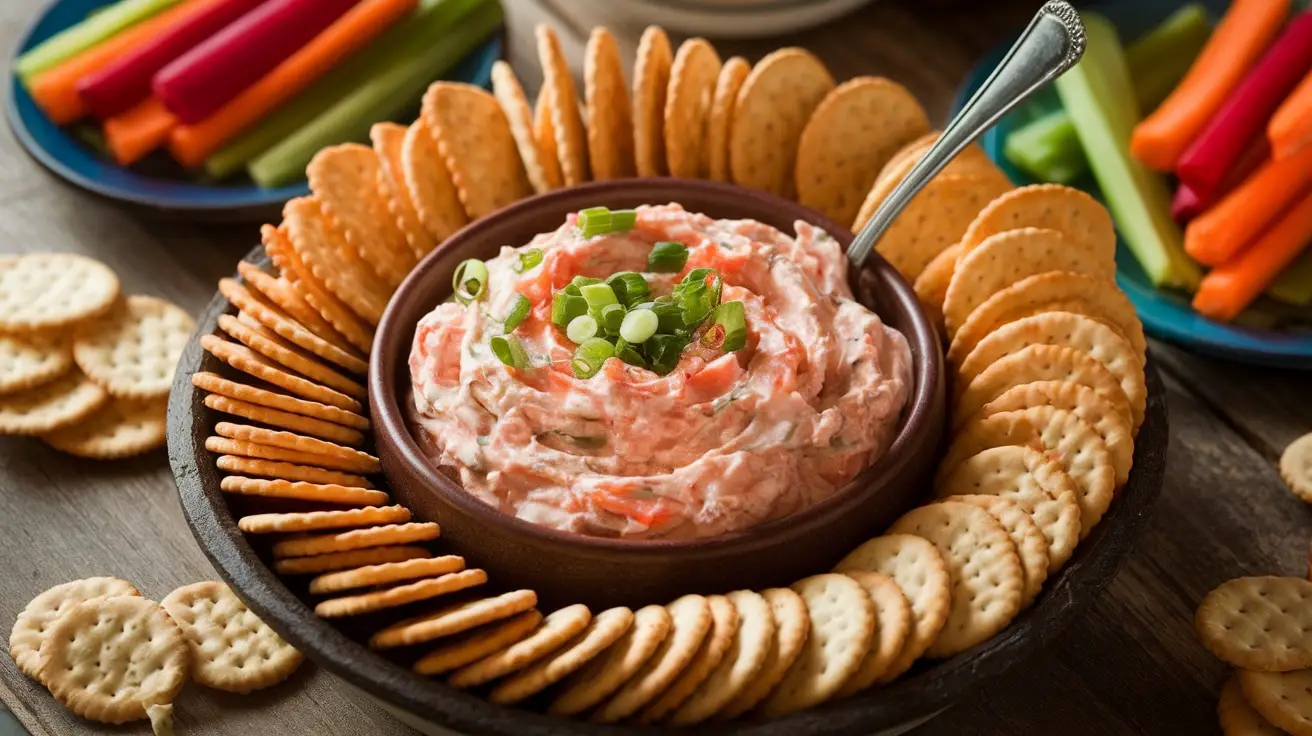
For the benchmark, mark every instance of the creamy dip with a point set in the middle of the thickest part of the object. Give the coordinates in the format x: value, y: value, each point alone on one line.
x: 721, y: 443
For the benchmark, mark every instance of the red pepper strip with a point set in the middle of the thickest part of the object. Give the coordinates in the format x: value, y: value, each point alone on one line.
x: 1190, y: 203
x: 1244, y: 115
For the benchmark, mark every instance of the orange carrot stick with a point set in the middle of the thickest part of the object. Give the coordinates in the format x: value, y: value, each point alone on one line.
x: 1290, y: 128
x: 55, y: 90
x: 1239, y: 39
x: 1227, y: 290
x: 137, y: 132
x: 1217, y: 235
x: 192, y: 144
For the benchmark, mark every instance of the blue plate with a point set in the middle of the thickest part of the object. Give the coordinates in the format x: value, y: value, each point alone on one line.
x: 1166, y: 315
x: 60, y: 150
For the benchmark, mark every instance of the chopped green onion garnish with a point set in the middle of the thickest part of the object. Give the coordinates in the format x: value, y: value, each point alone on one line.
x: 629, y: 287
x: 579, y: 282
x: 622, y: 221
x: 639, y: 325
x: 581, y: 328
x: 590, y: 356
x: 626, y: 353
x: 510, y: 351
x: 527, y: 260
x: 612, y: 316
x: 664, y: 351
x: 598, y: 295
x: 518, y: 311
x: 669, y: 316
x: 730, y: 317
x: 565, y: 307
x: 694, y: 298
x: 596, y: 221
x: 667, y: 257
x: 470, y: 280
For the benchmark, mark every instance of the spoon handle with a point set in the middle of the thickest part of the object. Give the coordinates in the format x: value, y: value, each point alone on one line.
x: 1051, y: 44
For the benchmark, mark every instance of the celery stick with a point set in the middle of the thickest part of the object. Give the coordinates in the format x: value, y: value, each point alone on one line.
x: 1096, y: 93
x: 383, y: 97
x: 1047, y: 149
x: 433, y: 19
x: 1295, y: 285
x: 93, y: 29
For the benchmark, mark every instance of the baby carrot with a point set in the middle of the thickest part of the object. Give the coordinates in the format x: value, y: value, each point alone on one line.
x: 1215, y: 236
x: 135, y: 133
x: 55, y: 89
x: 1239, y: 39
x: 192, y: 144
x: 1228, y: 289
x: 1291, y: 127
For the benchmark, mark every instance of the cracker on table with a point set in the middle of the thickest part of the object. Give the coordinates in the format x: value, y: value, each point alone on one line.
x: 48, y: 291
x: 429, y: 180
x: 1237, y: 717
x: 607, y: 107
x: 332, y: 261
x: 720, y: 121
x: 724, y: 627
x: 454, y: 619
x: 935, y: 219
x: 892, y: 626
x: 651, y: 81
x: 792, y: 626
x: 931, y: 286
x: 1065, y: 209
x: 131, y: 350
x: 853, y: 132
x: 1296, y: 467
x: 1007, y: 257
x: 551, y: 634
x: 27, y: 361
x: 842, y: 618
x: 773, y: 106
x: 309, y: 521
x: 283, y: 325
x: 60, y: 403
x: 161, y: 718
x: 1284, y: 699
x: 690, y: 622
x: 920, y: 570
x: 284, y: 420
x: 321, y: 492
x: 388, y: 140
x: 1031, y: 545
x: 121, y: 428
x: 478, y: 643
x: 545, y: 135
x: 316, y: 564
x: 384, y: 573
x: 987, y: 578
x: 279, y: 292
x: 307, y: 287
x: 258, y: 439
x: 510, y: 95
x: 1259, y: 623
x: 971, y: 162
x: 616, y: 665
x: 252, y: 363
x: 693, y: 75
x: 563, y: 102
x: 288, y: 471
x: 106, y: 659
x: 232, y: 649
x: 399, y: 595
x: 344, y: 178
x: 752, y: 641
x: 216, y: 384
x: 605, y: 629
x: 375, y: 536
x: 475, y: 141
x: 37, y: 616
x: 258, y: 338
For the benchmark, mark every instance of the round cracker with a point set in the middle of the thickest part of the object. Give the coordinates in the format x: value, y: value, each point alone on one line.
x: 1034, y: 481
x: 1237, y: 717
x: 792, y: 625
x: 279, y: 292
x: 400, y: 595
x: 510, y: 95
x: 121, y: 428
x: 1296, y: 467
x: 376, y: 536
x: 347, y: 560
x: 1031, y: 546
x: 214, y: 383
x: 772, y: 109
x: 651, y: 78
x: 288, y: 471
x: 605, y: 629
x: 47, y: 291
x: 931, y: 285
x: 724, y: 626
x: 693, y: 75
x: 232, y: 649
x: 935, y: 219
x: 555, y: 630
x: 1259, y: 623
x: 743, y: 661
x: 1283, y: 699
x: 987, y: 578
x: 690, y: 622
x: 853, y: 132
x: 302, y: 491
x: 37, y: 616
x: 454, y: 619
x: 255, y: 336
x: 284, y: 420
x: 388, y: 140
x: 426, y: 176
x: 919, y: 569
x: 475, y: 141
x: 258, y: 438
x: 616, y: 665
x: 892, y: 625
x: 842, y: 618
x: 545, y: 135
x: 384, y: 573
x: 720, y: 122
x: 344, y: 178
x: 1073, y: 213
x: 608, y: 109
x: 252, y: 363
x: 132, y: 350
x: 287, y: 331
x: 1007, y: 257
x: 27, y: 361
x: 60, y: 403
x: 563, y: 101
x: 310, y: 521
x: 1039, y: 362
x: 970, y: 162
x: 278, y: 244
x: 332, y: 262
x: 478, y: 644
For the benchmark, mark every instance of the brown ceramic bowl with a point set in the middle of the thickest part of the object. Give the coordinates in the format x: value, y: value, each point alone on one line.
x: 565, y: 567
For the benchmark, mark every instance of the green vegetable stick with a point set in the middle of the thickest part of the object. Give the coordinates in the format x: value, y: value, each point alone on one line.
x: 93, y: 29
x: 383, y: 97
x: 1048, y: 148
x: 1295, y: 285
x: 1097, y: 94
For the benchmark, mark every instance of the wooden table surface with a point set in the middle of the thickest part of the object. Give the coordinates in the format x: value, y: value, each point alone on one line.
x: 1131, y: 665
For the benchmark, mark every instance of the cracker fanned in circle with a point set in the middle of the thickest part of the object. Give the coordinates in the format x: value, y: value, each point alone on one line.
x: 332, y: 261
x: 278, y: 244
x: 475, y: 645
x: 232, y: 649
x: 384, y: 573
x: 651, y: 78
x: 693, y: 75
x: 773, y: 106
x: 752, y: 641
x: 477, y: 146
x: 555, y: 630
x: 724, y: 625
x: 401, y: 594
x: 690, y: 621
x: 454, y: 619
x: 545, y: 134
x: 970, y: 162
x: 732, y: 75
x: 1039, y: 362
x: 617, y: 665
x: 892, y: 626
x: 605, y: 629
x: 388, y: 140
x: 563, y: 102
x: 344, y: 178
x: 792, y: 628
x: 1073, y: 213
x: 510, y: 95
x: 426, y: 175
x: 935, y: 219
x: 608, y: 109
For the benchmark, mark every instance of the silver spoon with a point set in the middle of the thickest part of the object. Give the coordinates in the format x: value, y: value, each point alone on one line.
x: 1051, y: 44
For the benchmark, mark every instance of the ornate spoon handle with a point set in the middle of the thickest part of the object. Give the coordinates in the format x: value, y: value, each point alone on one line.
x: 1051, y: 44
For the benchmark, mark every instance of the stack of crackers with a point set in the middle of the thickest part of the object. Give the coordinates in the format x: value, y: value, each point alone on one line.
x: 82, y: 366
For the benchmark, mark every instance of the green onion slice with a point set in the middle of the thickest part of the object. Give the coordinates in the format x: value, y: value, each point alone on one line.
x: 518, y: 311
x: 528, y: 260
x: 664, y: 351
x: 581, y: 328
x: 731, y: 318
x: 590, y: 356
x: 670, y: 318
x: 470, y: 280
x: 598, y: 295
x: 596, y: 221
x: 612, y: 316
x: 667, y: 257
x: 639, y: 326
x: 565, y: 307
x: 629, y: 287
x: 510, y: 350
x: 626, y: 353
x: 694, y: 298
